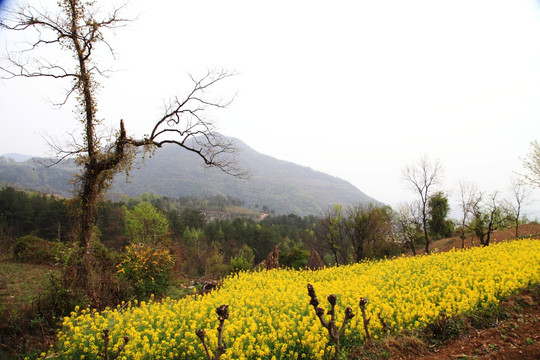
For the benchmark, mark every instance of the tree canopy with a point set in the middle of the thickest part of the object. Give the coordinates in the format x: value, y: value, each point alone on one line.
x: 146, y: 224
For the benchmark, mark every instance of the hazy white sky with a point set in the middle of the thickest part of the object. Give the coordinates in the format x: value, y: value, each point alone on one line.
x: 355, y: 89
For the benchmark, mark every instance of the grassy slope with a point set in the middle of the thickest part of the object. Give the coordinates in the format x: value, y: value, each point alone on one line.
x: 21, y: 284
x: 20, y: 288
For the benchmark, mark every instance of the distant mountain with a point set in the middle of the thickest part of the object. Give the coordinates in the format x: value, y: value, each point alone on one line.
x: 17, y: 157
x: 32, y: 174
x: 279, y: 185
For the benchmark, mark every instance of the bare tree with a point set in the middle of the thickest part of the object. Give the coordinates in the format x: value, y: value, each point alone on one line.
x: 532, y: 164
x: 488, y: 217
x: 331, y: 232
x: 359, y: 229
x: 78, y: 29
x: 369, y: 230
x: 520, y: 193
x: 469, y: 196
x: 421, y: 178
x: 409, y: 223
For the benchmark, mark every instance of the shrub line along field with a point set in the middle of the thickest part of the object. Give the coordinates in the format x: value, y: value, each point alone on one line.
x: 270, y: 316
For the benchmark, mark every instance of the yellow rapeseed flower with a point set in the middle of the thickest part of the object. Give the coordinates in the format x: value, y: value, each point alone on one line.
x: 270, y: 317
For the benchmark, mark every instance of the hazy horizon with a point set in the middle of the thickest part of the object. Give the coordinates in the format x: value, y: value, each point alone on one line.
x: 357, y: 90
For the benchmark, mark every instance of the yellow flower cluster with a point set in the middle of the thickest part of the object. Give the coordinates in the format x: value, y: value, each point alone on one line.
x: 142, y: 258
x: 146, y: 268
x: 270, y: 317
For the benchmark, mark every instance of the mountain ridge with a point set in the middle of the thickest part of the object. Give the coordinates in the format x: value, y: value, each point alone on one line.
x: 279, y: 185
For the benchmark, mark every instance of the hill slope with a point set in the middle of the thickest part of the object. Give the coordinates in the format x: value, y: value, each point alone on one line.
x: 280, y: 185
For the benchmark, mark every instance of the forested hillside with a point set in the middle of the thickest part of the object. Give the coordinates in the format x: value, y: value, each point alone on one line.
x: 279, y: 185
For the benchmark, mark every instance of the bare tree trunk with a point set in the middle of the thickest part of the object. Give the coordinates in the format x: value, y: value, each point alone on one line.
x: 426, y: 237
x: 77, y: 28
x: 421, y: 178
x: 411, y: 244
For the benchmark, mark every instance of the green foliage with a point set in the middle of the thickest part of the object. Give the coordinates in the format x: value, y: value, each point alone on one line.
x: 215, y: 266
x: 486, y: 317
x: 192, y: 218
x: 191, y: 236
x: 444, y: 328
x: 438, y: 209
x: 112, y: 223
x: 243, y: 261
x: 146, y: 269
x: 370, y: 230
x: 58, y: 299
x: 33, y: 249
x: 295, y: 258
x: 146, y: 224
x: 102, y: 280
x: 23, y: 213
x: 492, y: 216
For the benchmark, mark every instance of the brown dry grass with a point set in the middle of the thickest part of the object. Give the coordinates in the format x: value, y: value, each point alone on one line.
x: 526, y: 230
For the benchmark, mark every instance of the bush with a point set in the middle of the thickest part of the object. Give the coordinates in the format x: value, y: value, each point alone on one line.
x: 243, y: 261
x: 214, y: 265
x: 35, y: 250
x: 295, y: 258
x: 146, y: 270
x: 204, y: 260
x: 57, y: 300
x: 101, y: 284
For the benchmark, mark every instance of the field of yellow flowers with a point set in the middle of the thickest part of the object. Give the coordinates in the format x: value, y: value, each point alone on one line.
x: 270, y: 316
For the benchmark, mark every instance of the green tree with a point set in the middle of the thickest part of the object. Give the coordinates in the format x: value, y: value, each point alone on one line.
x: 295, y: 257
x: 242, y: 261
x: 16, y: 213
x: 192, y: 218
x: 112, y: 223
x: 145, y: 224
x: 487, y: 218
x: 191, y: 236
x: 438, y: 209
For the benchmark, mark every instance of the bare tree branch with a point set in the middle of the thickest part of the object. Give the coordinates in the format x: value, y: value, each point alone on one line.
x: 77, y: 30
x: 469, y: 197
x: 532, y: 163
x: 421, y: 178
x: 520, y: 193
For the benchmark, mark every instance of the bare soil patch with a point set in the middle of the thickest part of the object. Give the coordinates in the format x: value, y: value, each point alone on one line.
x: 526, y: 230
